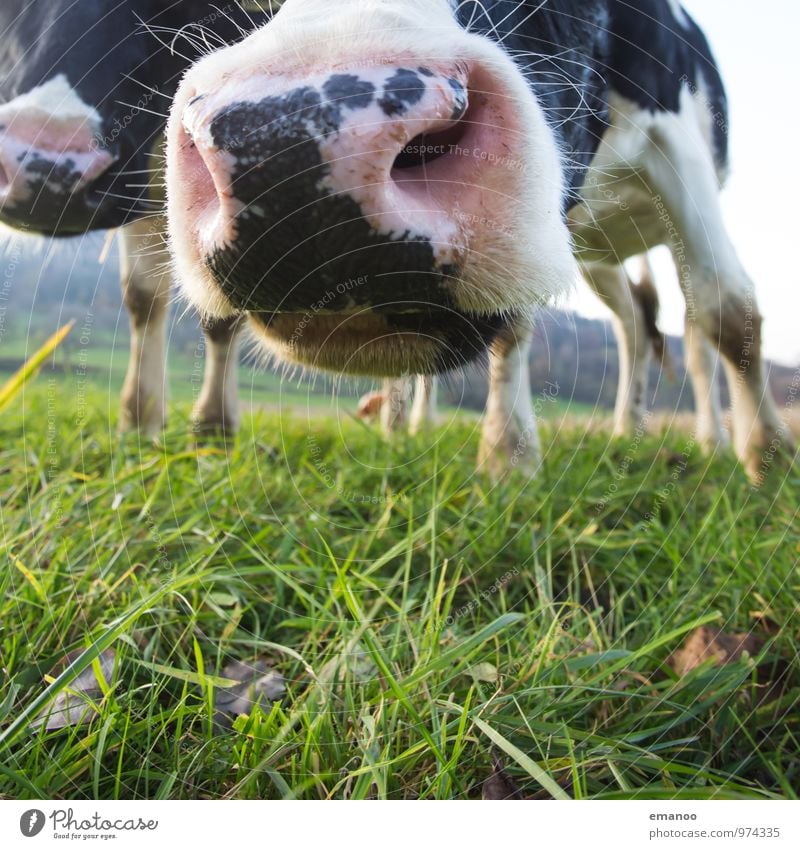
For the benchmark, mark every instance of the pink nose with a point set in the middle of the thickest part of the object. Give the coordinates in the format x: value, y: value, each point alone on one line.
x: 388, y: 140
x: 40, y: 152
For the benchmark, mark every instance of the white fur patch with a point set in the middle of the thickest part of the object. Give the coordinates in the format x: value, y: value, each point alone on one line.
x: 57, y: 99
x: 614, y: 192
x: 678, y: 12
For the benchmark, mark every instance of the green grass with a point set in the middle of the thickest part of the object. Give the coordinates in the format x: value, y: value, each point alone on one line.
x: 531, y: 618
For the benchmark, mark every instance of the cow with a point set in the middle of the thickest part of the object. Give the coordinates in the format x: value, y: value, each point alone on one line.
x: 84, y: 89
x: 391, y: 187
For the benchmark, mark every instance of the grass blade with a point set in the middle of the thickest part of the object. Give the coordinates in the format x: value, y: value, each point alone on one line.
x: 16, y: 383
x: 530, y: 766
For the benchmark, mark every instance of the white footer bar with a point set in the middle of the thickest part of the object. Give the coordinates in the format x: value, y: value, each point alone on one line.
x: 404, y: 825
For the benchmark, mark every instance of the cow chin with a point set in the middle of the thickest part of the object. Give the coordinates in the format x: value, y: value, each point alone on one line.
x: 377, y: 344
x: 56, y: 215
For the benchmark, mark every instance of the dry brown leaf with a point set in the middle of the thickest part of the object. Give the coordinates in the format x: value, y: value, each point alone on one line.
x: 258, y: 683
x: 710, y: 644
x: 484, y: 672
x: 72, y: 706
x: 500, y: 785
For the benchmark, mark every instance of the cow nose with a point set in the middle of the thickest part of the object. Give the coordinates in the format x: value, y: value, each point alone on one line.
x: 44, y: 160
x: 317, y: 161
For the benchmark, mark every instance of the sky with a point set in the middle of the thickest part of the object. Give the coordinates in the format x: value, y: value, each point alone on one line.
x: 757, y: 48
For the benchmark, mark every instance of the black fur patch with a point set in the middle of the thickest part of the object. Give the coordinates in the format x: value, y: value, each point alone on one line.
x: 579, y: 49
x: 655, y: 55
x: 51, y: 204
x: 296, y: 243
x: 463, y: 339
x: 349, y: 90
x: 402, y: 90
x: 562, y: 48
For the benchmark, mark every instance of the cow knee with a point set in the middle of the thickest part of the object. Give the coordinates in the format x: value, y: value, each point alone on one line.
x: 734, y: 326
x: 510, y: 439
x: 143, y: 397
x: 146, y: 301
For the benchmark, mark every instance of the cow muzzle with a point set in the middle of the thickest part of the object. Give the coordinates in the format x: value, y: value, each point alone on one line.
x: 50, y: 171
x: 297, y: 188
x: 351, y: 212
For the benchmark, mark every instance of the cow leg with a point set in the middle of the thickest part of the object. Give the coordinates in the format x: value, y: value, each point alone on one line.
x: 423, y: 411
x: 510, y: 438
x: 613, y: 286
x: 145, y: 291
x: 702, y: 363
x: 394, y: 412
x: 217, y: 407
x: 720, y: 295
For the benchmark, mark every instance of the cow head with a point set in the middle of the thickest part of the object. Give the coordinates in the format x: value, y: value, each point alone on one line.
x: 84, y: 88
x: 376, y: 185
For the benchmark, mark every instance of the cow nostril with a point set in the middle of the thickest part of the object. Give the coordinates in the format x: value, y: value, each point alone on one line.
x: 426, y: 148
x: 4, y: 180
x: 198, y: 169
x: 206, y: 184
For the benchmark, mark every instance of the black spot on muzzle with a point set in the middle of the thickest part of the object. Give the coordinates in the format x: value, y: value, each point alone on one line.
x: 57, y: 204
x: 295, y: 242
x: 403, y: 89
x: 347, y: 90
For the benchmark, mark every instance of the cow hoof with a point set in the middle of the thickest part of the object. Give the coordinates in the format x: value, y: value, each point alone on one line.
x: 148, y: 417
x: 508, y: 456
x: 211, y: 420
x: 499, y: 465
x: 418, y: 427
x: 630, y: 425
x: 711, y: 442
x: 210, y: 427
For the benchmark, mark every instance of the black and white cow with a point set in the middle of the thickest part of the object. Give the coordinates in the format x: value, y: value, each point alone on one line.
x: 84, y: 89
x: 390, y: 187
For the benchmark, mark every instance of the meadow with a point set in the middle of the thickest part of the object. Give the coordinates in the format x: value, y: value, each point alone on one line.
x: 415, y: 629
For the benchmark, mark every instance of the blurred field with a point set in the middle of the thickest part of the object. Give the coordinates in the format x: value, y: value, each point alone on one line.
x: 100, y: 368
x: 426, y: 623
